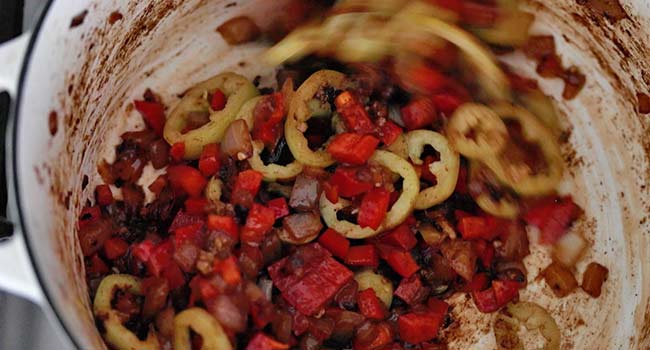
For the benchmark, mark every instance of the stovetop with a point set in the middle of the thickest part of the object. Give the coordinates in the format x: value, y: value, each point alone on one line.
x: 23, y: 325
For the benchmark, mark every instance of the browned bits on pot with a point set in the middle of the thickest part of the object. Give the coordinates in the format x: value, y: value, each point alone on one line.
x: 52, y: 122
x: 114, y: 17
x: 593, y: 279
x: 239, y: 30
x: 560, y: 279
x: 610, y: 9
x: 78, y: 19
x: 573, y: 82
x: 643, y: 103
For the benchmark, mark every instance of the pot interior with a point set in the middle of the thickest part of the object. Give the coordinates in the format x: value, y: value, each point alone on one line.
x: 82, y: 79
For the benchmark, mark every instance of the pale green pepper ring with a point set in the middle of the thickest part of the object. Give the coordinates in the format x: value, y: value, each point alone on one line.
x: 203, y: 323
x: 488, y: 132
x: 505, y: 207
x: 238, y: 90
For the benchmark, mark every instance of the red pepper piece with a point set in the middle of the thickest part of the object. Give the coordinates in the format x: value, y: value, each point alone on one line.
x: 246, y: 187
x: 486, y: 300
x: 96, y: 266
x: 410, y: 290
x: 190, y: 233
x: 88, y: 215
x: 153, y: 114
x: 370, y: 306
x: 346, y: 181
x: 424, y: 79
x: 400, y: 237
x: 177, y: 151
x: 184, y: 219
x: 362, y: 255
x: 203, y: 289
x: 553, y: 217
x: 419, y: 113
x: 104, y: 194
x: 485, y: 252
x: 353, y: 113
x: 259, y: 221
x: 225, y: 224
x: 374, y: 207
x: 229, y: 270
x: 401, y: 262
x: 218, y: 100
x: 447, y: 103
x: 209, y: 161
x: 174, y: 276
x: 479, y: 283
x: 262, y: 341
x: 438, y: 306
x: 352, y: 148
x: 331, y: 192
x: 187, y: 178
x: 279, y: 206
x: 196, y: 206
x: 478, y: 227
x: 115, y: 248
x: 505, y: 291
x: 335, y: 243
x: 142, y: 251
x: 319, y: 279
x: 419, y: 327
x: 389, y: 132
x: 160, y: 257
x: 425, y: 170
x: 268, y: 114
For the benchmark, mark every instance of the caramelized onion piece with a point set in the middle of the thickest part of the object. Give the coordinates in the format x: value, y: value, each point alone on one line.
x: 593, y: 279
x: 560, y: 279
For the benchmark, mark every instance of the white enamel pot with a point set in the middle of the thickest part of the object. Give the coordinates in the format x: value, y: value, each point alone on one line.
x: 89, y: 74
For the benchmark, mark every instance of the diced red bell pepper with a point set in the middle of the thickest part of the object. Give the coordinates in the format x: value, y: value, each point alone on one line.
x: 203, y: 288
x: 362, y: 255
x: 374, y: 206
x: 225, y: 224
x: 104, y: 194
x: 279, y: 206
x: 353, y: 113
x: 247, y: 185
x: 184, y: 219
x: 300, y: 323
x: 187, y: 178
x: 479, y: 283
x: 115, y: 248
x: 485, y: 252
x: 370, y: 306
x: 401, y: 262
x: 209, y: 162
x: 96, y: 266
x: 389, y: 132
x: 335, y: 243
x: 331, y: 192
x: 177, y: 151
x: 196, y: 206
x: 438, y: 306
x: 410, y: 289
x: 346, y: 181
x: 479, y: 227
x: 229, y: 270
x: 160, y: 257
x: 153, y: 114
x: 418, y: 327
x: 352, y: 148
x: 268, y: 115
x: 88, y: 215
x: 316, y: 284
x: 447, y: 103
x: 158, y: 184
x: 190, y: 233
x: 262, y: 341
x: 505, y: 290
x: 142, y: 251
x: 260, y: 220
x: 424, y: 78
x: 419, y: 113
x: 486, y: 300
x: 425, y: 170
x: 174, y: 276
x: 400, y: 237
x: 218, y: 100
x: 553, y: 217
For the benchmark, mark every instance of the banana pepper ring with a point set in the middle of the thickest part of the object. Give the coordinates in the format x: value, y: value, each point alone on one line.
x: 202, y: 323
x: 238, y: 90
x: 533, y: 317
x: 489, y: 133
x: 116, y: 334
x: 397, y: 214
x: 272, y: 172
x: 246, y: 112
x: 446, y: 170
x: 533, y: 131
x: 299, y: 113
x: 505, y: 207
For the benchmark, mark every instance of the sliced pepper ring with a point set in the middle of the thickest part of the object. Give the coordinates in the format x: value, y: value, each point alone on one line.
x: 300, y: 112
x: 116, y: 334
x: 202, y: 323
x: 397, y: 214
x: 504, y: 207
x: 246, y: 111
x: 238, y: 90
x: 446, y: 170
x: 533, y: 317
x: 533, y: 131
x: 380, y: 284
x: 489, y: 133
x: 272, y: 172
